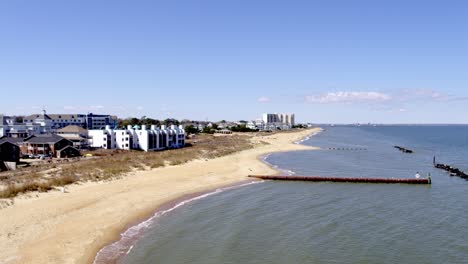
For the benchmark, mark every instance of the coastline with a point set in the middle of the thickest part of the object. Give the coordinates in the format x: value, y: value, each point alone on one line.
x: 71, y: 228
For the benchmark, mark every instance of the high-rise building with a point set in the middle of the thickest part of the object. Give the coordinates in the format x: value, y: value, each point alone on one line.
x: 279, y: 118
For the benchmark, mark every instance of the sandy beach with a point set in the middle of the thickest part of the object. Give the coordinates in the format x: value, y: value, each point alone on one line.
x: 72, y: 227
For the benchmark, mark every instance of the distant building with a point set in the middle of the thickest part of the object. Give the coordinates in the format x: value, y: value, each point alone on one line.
x: 9, y: 154
x: 138, y: 138
x: 49, y: 144
x: 89, y: 121
x: 272, y: 122
x: 40, y: 124
x: 287, y: 119
x: 100, y: 121
x: 256, y: 124
x: 76, y: 134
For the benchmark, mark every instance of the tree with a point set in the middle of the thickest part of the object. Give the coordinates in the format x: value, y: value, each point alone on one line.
x: 170, y: 121
x: 191, y: 130
x: 150, y: 121
x: 208, y: 130
x: 242, y: 128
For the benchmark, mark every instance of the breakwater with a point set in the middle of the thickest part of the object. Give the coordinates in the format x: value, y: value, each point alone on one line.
x: 451, y: 170
x: 342, y: 179
x: 404, y: 150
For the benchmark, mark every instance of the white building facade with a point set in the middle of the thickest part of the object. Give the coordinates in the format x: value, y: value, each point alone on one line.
x: 282, y: 121
x: 89, y: 121
x: 42, y: 124
x: 146, y: 139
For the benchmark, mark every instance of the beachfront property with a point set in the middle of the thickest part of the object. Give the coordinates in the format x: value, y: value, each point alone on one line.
x: 256, y: 124
x: 76, y: 134
x: 144, y: 138
x: 48, y: 145
x: 272, y: 122
x: 9, y: 127
x: 284, y: 119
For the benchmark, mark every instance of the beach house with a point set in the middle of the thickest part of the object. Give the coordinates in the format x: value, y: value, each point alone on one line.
x: 49, y: 145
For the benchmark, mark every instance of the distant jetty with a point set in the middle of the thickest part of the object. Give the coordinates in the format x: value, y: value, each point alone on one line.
x: 404, y: 150
x: 340, y: 179
x: 452, y: 170
x: 350, y: 149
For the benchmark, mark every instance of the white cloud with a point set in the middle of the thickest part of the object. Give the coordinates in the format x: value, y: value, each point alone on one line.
x: 424, y: 94
x: 263, y: 99
x: 348, y: 97
x: 397, y: 110
x: 96, y: 107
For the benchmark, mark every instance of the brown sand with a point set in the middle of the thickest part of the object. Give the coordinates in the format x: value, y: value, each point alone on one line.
x: 72, y: 227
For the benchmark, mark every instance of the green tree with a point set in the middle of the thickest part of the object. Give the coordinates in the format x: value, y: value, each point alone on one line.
x: 170, y: 121
x: 208, y: 130
x: 191, y: 130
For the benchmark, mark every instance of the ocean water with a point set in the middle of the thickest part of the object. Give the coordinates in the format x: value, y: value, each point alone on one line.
x: 305, y: 222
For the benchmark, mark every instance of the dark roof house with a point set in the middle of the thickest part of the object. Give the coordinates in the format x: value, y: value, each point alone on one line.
x: 9, y: 154
x: 48, y: 144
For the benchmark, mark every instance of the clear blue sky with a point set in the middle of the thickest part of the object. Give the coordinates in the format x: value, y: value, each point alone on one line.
x: 327, y: 61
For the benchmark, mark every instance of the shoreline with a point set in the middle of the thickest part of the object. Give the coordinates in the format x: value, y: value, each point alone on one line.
x: 116, y: 250
x: 72, y: 228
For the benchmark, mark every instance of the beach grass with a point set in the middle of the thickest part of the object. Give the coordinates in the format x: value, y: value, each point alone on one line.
x: 112, y: 164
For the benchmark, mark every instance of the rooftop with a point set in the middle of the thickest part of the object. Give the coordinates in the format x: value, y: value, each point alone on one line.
x: 72, y: 129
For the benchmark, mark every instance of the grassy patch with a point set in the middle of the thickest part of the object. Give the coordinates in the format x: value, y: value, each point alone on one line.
x: 111, y: 164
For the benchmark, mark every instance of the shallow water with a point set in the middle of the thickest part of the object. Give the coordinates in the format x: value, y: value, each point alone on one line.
x: 301, y: 222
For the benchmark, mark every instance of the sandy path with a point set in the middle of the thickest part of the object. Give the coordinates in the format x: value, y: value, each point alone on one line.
x: 70, y: 228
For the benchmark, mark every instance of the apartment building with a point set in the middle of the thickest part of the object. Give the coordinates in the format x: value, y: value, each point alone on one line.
x: 273, y: 122
x: 41, y: 124
x: 144, y: 138
x: 283, y: 118
x: 88, y: 121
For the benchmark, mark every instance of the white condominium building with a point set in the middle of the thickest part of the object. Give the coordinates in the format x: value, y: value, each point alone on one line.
x: 287, y: 119
x: 277, y: 121
x: 135, y: 138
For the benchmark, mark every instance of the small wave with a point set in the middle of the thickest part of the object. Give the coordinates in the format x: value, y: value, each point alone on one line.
x: 307, y: 137
x: 128, y: 251
x: 114, y: 251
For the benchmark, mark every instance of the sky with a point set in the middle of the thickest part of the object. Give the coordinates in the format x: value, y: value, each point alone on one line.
x: 327, y: 61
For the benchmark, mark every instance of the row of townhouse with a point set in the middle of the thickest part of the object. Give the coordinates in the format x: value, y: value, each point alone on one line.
x: 138, y: 138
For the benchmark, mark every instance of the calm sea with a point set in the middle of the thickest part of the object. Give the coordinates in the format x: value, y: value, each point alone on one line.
x: 300, y: 222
